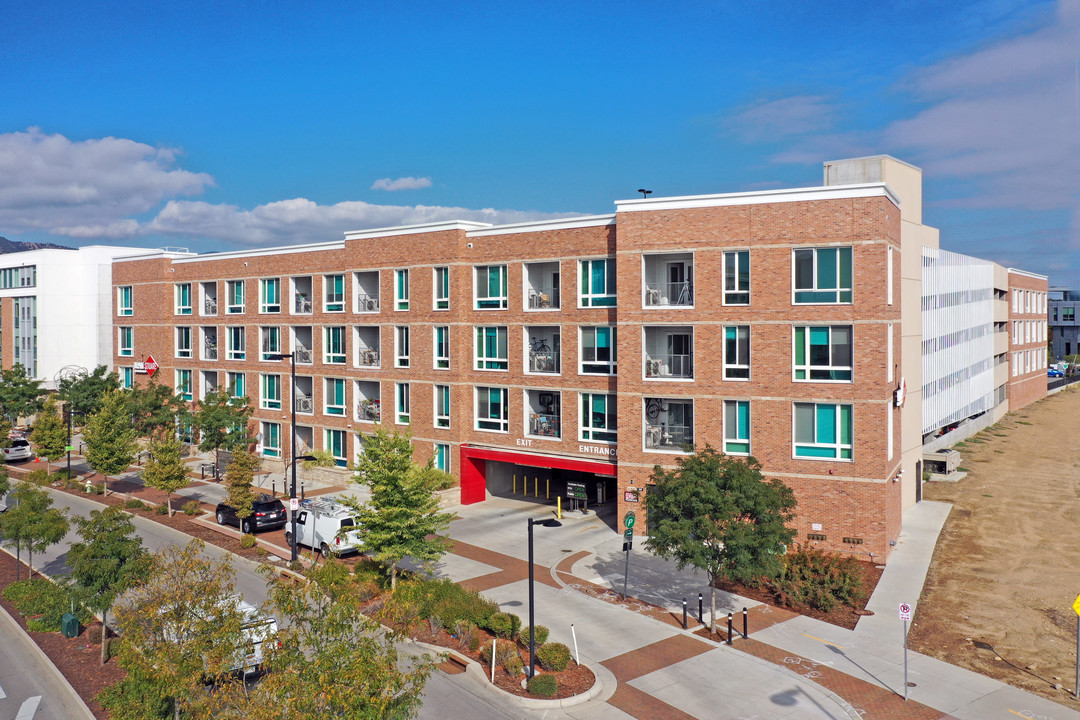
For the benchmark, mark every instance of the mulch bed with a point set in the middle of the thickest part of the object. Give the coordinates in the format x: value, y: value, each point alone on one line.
x: 77, y: 658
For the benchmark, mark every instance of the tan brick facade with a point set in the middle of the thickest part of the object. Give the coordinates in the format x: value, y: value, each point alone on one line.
x: 1027, y: 338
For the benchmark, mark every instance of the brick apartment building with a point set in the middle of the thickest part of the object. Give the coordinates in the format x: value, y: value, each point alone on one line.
x: 781, y: 324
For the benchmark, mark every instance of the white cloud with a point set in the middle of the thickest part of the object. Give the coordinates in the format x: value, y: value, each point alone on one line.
x: 404, y: 183
x: 782, y: 118
x: 51, y: 183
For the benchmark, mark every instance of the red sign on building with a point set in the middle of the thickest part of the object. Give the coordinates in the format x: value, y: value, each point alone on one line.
x: 150, y: 365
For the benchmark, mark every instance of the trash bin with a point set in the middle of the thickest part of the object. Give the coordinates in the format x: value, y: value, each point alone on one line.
x: 69, y: 625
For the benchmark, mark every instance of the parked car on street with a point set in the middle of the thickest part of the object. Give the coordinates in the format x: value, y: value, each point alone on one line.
x: 267, y: 513
x: 328, y: 526
x: 19, y: 450
x: 1054, y: 373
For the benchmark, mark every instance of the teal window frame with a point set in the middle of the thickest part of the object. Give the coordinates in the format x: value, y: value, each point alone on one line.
x: 335, y: 442
x: 334, y: 292
x: 401, y: 346
x: 270, y: 342
x: 736, y: 352
x: 823, y: 353
x: 184, y: 384
x: 492, y: 409
x: 270, y: 391
x: 442, y: 347
x: 401, y: 289
x: 822, y: 276
x: 737, y: 277
x: 183, y: 299
x: 125, y: 344
x: 822, y: 431
x: 236, y: 348
x: 598, y: 283
x: 125, y: 303
x: 599, y: 417
x: 234, y: 297
x: 334, y: 345
x: 334, y: 397
x: 183, y: 341
x: 402, y: 403
x: 442, y: 288
x: 492, y: 288
x: 599, y: 350
x: 270, y: 295
x: 491, y: 351
x: 737, y: 427
x: 127, y: 377
x: 237, y: 383
x: 271, y: 439
x: 442, y: 457
x: 442, y: 406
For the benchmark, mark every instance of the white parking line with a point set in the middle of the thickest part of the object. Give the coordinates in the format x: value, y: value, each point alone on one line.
x: 2, y: 693
x: 29, y: 707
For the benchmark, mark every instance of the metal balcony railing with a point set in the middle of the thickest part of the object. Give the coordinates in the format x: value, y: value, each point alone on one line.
x: 665, y: 294
x: 668, y: 365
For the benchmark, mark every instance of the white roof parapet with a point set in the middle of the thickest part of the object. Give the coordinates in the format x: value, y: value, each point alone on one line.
x: 759, y: 197
x: 261, y: 252
x: 580, y: 221
x: 1018, y: 271
x: 415, y: 229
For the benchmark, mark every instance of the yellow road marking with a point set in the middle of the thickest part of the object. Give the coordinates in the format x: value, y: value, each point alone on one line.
x: 824, y: 641
x: 1026, y: 717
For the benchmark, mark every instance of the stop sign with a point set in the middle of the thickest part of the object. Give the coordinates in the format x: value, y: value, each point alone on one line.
x: 150, y: 365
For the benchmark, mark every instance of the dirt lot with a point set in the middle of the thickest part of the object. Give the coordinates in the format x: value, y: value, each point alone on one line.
x: 1007, y: 567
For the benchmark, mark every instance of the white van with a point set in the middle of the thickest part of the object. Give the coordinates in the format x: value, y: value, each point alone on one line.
x: 328, y: 526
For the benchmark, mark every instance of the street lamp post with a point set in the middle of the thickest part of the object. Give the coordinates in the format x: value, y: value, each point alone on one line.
x: 70, y: 412
x: 550, y: 522
x: 292, y: 446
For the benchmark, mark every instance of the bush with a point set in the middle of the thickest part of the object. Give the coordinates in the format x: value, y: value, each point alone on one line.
x: 504, y: 649
x: 553, y: 656
x: 819, y: 580
x: 247, y: 541
x: 133, y: 504
x: 94, y: 489
x: 465, y: 632
x: 161, y: 510
x: 41, y: 625
x: 444, y: 599
x: 514, y: 665
x: 435, y: 623
x: 192, y: 507
x: 504, y: 625
x: 44, y: 600
x: 541, y: 635
x: 543, y: 686
x: 39, y: 476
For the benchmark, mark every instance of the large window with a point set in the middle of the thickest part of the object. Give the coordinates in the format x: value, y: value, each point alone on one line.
x: 183, y: 384
x: 442, y: 457
x: 737, y: 352
x: 270, y: 342
x: 442, y: 288
x: 124, y: 302
x: 236, y: 345
x: 737, y: 277
x: 234, y: 297
x: 270, y: 295
x: 334, y: 345
x: 183, y: 341
x: 597, y: 283
x: 822, y: 431
x: 402, y: 415
x: 401, y: 289
x: 442, y: 406
x: 335, y: 443
x: 491, y: 287
x: 237, y: 384
x: 125, y: 342
x: 823, y: 353
x: 492, y: 411
x: 401, y: 346
x: 335, y: 292
x: 442, y: 347
x: 271, y: 439
x: 270, y: 392
x: 599, y: 417
x: 737, y: 427
x: 335, y: 397
x: 183, y: 299
x: 822, y: 275
x: 491, y: 351
x: 127, y: 377
x: 598, y: 351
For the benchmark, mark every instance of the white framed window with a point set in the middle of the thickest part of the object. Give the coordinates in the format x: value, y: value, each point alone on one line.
x: 889, y: 275
x: 823, y: 354
x: 271, y: 439
x: 127, y: 377
x: 599, y: 417
x: 597, y: 287
x: 401, y: 395
x: 822, y: 276
x: 270, y: 295
x: 822, y: 431
x: 237, y: 384
x: 401, y: 346
x: 401, y: 289
x: 270, y: 342
x: 125, y: 341
x: 334, y: 296
x: 124, y: 301
x: 490, y: 287
x: 491, y: 348
x: 334, y: 345
x: 889, y: 431
x: 183, y: 341
x: 737, y: 427
x: 334, y: 397
x: 442, y: 347
x: 890, y: 370
x: 492, y: 409
x: 183, y: 384
x: 234, y: 297
x: 270, y: 392
x: 183, y: 299
x: 335, y: 442
x: 442, y: 457
x: 598, y: 353
x: 668, y: 424
x: 736, y: 352
x: 236, y: 346
x: 442, y: 406
x: 441, y: 286
x: 737, y: 277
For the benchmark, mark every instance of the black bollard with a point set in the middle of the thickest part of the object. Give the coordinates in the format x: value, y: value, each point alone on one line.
x: 700, y: 611
x: 684, y: 613
x: 273, y: 488
x: 729, y: 628
x: 301, y: 489
x: 744, y: 625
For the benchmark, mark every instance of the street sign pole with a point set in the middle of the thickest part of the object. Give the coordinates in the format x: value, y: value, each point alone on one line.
x: 1076, y: 608
x: 905, y: 615
x: 628, y: 536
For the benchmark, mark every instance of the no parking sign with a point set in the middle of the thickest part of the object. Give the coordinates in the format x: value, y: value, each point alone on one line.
x: 905, y: 611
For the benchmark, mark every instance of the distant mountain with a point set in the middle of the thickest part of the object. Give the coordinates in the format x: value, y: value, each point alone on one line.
x: 14, y: 246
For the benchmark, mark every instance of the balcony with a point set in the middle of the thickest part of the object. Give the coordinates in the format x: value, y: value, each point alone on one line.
x: 544, y: 412
x: 669, y: 424
x: 669, y: 280
x: 669, y: 353
x: 542, y: 286
x: 302, y: 294
x: 209, y: 343
x: 209, y: 298
x: 367, y: 291
x: 367, y: 303
x: 209, y: 306
x: 544, y: 349
x: 302, y: 345
x: 302, y: 305
x: 304, y: 401
x: 368, y: 401
x: 366, y: 341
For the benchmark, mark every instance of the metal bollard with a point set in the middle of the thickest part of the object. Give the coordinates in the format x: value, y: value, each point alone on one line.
x: 745, y: 636
x: 729, y: 628
x: 301, y: 489
x: 684, y: 613
x: 700, y: 611
x: 273, y: 488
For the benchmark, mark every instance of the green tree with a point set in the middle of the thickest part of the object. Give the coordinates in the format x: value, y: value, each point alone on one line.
x: 222, y: 422
x: 402, y: 518
x: 110, y: 439
x: 50, y: 433
x: 84, y: 393
x: 166, y: 470
x: 719, y: 514
x: 33, y: 523
x: 156, y: 410
x: 20, y: 396
x: 238, y: 476
x: 109, y: 559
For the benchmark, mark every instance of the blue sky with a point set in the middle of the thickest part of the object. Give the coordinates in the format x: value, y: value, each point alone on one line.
x: 226, y: 125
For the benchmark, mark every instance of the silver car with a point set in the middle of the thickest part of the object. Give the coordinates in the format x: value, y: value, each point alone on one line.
x: 19, y: 450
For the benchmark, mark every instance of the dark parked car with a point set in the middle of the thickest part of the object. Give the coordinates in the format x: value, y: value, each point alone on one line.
x: 267, y: 513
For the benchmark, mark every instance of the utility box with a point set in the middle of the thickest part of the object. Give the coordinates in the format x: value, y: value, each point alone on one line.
x: 69, y: 625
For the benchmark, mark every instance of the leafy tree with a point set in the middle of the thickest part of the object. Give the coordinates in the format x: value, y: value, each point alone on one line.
x: 50, y: 433
x: 84, y: 393
x: 222, y: 422
x: 5, y: 431
x: 20, y: 396
x: 166, y: 470
x: 402, y: 518
x: 110, y: 439
x: 5, y: 480
x: 33, y: 523
x: 721, y: 515
x: 109, y: 559
x: 156, y: 409
x: 238, y: 477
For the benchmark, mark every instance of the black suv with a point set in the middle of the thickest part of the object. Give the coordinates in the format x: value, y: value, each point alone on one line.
x: 267, y: 513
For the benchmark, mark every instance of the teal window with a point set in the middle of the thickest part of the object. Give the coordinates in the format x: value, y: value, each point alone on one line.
x: 270, y: 397
x: 335, y: 293
x: 822, y: 275
x: 737, y: 352
x: 335, y: 397
x: 126, y: 342
x: 442, y: 457
x: 271, y: 342
x: 491, y: 287
x: 442, y: 347
x: 491, y: 351
x: 442, y: 406
x: 492, y: 411
x: 335, y: 443
x: 823, y: 353
x: 597, y: 283
x: 737, y: 427
x: 442, y: 288
x: 599, y: 417
x: 127, y: 377
x: 402, y: 416
x: 234, y: 297
x: 822, y: 431
x: 598, y: 351
x: 737, y: 277
x: 183, y: 384
x: 236, y: 348
x: 183, y: 342
x: 401, y: 346
x: 124, y: 303
x: 401, y: 290
x: 270, y: 295
x: 183, y: 298
x: 334, y: 345
x: 271, y: 439
x: 237, y: 384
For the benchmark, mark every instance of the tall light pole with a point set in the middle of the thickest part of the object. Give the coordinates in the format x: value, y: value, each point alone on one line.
x: 69, y: 413
x: 550, y: 522
x: 292, y: 447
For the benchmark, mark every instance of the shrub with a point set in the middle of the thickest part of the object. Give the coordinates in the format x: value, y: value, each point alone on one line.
x: 39, y: 476
x: 465, y: 632
x: 161, y: 510
x: 822, y: 581
x: 41, y: 625
x: 444, y: 599
x: 504, y: 649
x: 134, y: 504
x: 543, y: 686
x: 70, y: 483
x: 435, y: 623
x: 46, y: 601
x: 94, y: 489
x: 296, y: 566
x: 192, y: 507
x: 553, y: 656
x: 540, y: 635
x: 514, y: 665
x: 247, y: 541
x: 504, y: 625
